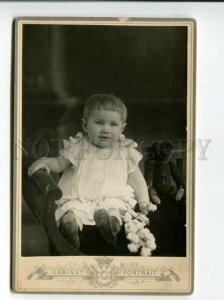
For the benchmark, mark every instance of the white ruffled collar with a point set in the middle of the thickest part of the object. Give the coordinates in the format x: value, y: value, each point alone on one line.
x: 122, y: 142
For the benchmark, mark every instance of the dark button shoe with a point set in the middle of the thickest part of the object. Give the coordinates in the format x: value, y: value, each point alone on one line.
x: 106, y: 225
x: 69, y: 229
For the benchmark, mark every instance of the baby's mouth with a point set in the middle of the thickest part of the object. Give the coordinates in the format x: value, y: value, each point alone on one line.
x: 104, y: 138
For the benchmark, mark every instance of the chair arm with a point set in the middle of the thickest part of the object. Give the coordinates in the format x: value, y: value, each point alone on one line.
x: 46, y: 184
x: 49, y: 193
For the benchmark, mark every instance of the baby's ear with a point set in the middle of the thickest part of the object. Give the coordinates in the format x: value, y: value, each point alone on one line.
x: 84, y: 125
x: 123, y: 127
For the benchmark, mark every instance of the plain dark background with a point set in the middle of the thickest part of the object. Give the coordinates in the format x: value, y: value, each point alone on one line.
x: 63, y: 65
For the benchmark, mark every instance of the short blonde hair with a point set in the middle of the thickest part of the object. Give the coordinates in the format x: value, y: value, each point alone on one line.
x: 105, y: 102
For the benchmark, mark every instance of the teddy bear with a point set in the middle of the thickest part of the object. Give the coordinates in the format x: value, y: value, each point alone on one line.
x: 162, y: 176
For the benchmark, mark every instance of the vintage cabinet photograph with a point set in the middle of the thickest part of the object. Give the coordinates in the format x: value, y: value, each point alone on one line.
x: 103, y: 158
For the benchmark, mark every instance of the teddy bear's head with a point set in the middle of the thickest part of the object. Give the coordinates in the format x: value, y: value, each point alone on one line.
x: 163, y: 150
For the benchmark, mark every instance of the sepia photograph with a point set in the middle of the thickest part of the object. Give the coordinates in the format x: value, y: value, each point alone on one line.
x: 103, y: 178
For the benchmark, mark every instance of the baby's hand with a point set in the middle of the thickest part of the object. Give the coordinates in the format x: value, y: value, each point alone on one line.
x: 145, y: 209
x: 38, y: 164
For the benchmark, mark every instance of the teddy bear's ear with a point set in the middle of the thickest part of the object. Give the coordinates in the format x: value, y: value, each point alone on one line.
x: 148, y: 151
x: 151, y: 152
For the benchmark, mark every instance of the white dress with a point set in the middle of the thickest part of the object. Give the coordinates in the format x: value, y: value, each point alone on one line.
x: 97, y: 178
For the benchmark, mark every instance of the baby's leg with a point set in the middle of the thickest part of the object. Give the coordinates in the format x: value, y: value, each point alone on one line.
x: 108, y: 224
x: 69, y: 229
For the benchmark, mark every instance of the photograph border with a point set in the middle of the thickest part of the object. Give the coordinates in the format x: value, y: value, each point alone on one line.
x: 158, y: 267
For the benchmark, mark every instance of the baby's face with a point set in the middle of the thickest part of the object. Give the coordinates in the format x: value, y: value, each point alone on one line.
x: 104, y: 127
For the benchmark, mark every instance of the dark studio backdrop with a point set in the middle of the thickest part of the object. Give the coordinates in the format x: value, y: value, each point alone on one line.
x: 63, y: 65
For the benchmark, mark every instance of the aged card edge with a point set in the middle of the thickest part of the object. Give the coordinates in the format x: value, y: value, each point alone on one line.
x: 122, y: 20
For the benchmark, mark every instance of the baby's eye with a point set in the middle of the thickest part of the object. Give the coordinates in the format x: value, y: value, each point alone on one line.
x: 99, y: 123
x: 114, y: 124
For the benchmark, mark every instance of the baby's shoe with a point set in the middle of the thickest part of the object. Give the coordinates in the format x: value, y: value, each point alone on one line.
x: 108, y: 226
x: 69, y: 229
x: 116, y: 226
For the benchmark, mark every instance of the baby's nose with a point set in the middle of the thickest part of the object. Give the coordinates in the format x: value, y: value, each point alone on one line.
x: 105, y: 128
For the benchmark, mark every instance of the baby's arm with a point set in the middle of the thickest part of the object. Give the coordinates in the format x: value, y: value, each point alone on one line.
x: 137, y: 182
x: 55, y: 165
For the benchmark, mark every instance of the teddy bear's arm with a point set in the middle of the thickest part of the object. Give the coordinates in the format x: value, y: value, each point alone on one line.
x: 179, y: 181
x: 176, y: 174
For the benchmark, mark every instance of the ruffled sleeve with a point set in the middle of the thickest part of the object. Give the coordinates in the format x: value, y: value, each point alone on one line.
x: 133, y: 155
x: 72, y: 149
x: 134, y: 158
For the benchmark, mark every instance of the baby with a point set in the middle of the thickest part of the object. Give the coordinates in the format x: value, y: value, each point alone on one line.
x: 101, y: 179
